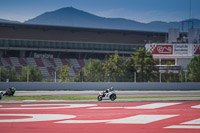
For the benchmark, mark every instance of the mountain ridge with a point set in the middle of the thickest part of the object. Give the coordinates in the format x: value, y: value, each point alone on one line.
x: 8, y: 21
x: 70, y: 16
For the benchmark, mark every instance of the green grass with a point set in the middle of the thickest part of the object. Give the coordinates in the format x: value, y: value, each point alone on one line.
x: 73, y: 97
x: 154, y: 97
x: 77, y: 97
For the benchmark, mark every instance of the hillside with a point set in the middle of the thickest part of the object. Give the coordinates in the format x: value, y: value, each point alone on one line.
x: 70, y: 16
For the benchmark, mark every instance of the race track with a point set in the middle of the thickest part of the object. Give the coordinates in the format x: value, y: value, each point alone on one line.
x: 120, y: 93
x: 125, y: 117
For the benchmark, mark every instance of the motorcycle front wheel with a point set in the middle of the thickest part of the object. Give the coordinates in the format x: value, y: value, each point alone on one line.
x: 113, y: 97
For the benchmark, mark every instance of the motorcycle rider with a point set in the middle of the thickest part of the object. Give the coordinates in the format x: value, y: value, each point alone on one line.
x: 10, y: 91
x: 1, y: 95
x: 108, y: 90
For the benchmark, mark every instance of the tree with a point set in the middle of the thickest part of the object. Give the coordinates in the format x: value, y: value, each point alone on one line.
x: 114, y: 67
x: 93, y: 72
x: 182, y: 76
x: 145, y: 64
x: 194, y: 69
x: 8, y: 73
x: 31, y: 74
x: 169, y: 75
x: 12, y: 75
x: 130, y: 68
x: 63, y: 73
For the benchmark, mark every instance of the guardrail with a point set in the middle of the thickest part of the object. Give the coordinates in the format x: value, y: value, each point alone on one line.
x: 99, y: 86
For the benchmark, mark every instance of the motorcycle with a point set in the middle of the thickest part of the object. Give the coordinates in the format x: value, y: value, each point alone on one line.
x: 9, y: 92
x: 1, y: 95
x: 107, y: 96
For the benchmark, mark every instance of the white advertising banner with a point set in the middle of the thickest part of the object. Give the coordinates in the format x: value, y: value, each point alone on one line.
x: 182, y: 49
x: 174, y: 49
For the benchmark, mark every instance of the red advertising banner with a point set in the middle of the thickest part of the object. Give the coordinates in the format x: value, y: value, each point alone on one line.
x: 161, y: 49
x: 196, y: 49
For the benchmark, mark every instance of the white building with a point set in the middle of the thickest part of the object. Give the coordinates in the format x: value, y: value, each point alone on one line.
x: 194, y: 35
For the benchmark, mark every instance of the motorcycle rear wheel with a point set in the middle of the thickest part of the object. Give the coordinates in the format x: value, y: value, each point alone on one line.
x: 99, y: 98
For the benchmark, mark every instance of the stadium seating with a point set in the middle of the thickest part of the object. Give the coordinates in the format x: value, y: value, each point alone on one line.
x: 14, y: 61
x: 58, y: 62
x: 39, y: 62
x: 47, y: 66
x: 7, y: 61
x: 81, y: 62
x: 44, y: 72
x: 22, y: 62
x: 31, y: 61
x: 1, y: 64
x: 51, y: 71
x: 51, y: 60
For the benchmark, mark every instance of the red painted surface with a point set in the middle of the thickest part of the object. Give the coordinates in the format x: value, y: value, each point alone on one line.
x: 184, y: 112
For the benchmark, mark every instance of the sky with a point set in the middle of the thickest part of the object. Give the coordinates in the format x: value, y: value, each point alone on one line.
x: 139, y: 10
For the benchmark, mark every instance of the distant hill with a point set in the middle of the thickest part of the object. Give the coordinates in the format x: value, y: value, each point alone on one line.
x: 70, y: 16
x: 8, y: 21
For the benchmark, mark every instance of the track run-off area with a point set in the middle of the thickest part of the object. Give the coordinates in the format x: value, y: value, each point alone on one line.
x: 106, y: 117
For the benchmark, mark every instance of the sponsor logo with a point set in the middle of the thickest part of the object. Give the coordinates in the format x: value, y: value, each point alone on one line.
x: 162, y: 49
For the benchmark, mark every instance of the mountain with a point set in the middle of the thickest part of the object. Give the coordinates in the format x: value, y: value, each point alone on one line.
x: 70, y: 16
x: 8, y: 21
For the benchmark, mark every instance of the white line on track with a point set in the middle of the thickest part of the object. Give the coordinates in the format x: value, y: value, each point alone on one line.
x: 196, y: 106
x: 184, y: 127
x: 146, y: 106
x: 138, y: 119
x: 36, y: 117
x: 188, y: 125
x: 61, y: 106
x: 196, y: 121
x: 153, y: 106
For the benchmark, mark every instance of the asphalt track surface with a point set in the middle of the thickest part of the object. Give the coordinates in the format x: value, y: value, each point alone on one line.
x: 182, y: 95
x: 120, y: 93
x: 114, y: 117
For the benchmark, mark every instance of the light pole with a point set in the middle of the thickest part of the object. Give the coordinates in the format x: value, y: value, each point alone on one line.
x: 160, y: 77
x: 0, y: 74
x: 135, y: 77
x: 27, y: 76
x: 55, y: 78
x: 185, y: 75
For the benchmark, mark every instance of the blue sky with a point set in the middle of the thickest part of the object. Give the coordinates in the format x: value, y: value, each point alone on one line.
x: 138, y: 10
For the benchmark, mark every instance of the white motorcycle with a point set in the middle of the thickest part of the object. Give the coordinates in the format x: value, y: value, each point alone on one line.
x: 107, y: 96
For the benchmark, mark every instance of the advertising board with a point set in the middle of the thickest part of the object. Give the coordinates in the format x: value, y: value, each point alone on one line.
x: 161, y: 49
x: 174, y: 49
x: 181, y: 49
x: 196, y: 49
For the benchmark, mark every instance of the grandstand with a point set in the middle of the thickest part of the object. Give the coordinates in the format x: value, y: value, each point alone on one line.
x: 49, y: 47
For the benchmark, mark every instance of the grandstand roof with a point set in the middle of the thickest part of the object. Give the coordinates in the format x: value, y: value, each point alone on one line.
x: 77, y: 34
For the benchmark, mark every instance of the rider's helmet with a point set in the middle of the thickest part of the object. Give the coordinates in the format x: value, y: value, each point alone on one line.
x: 13, y: 89
x: 111, y: 88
